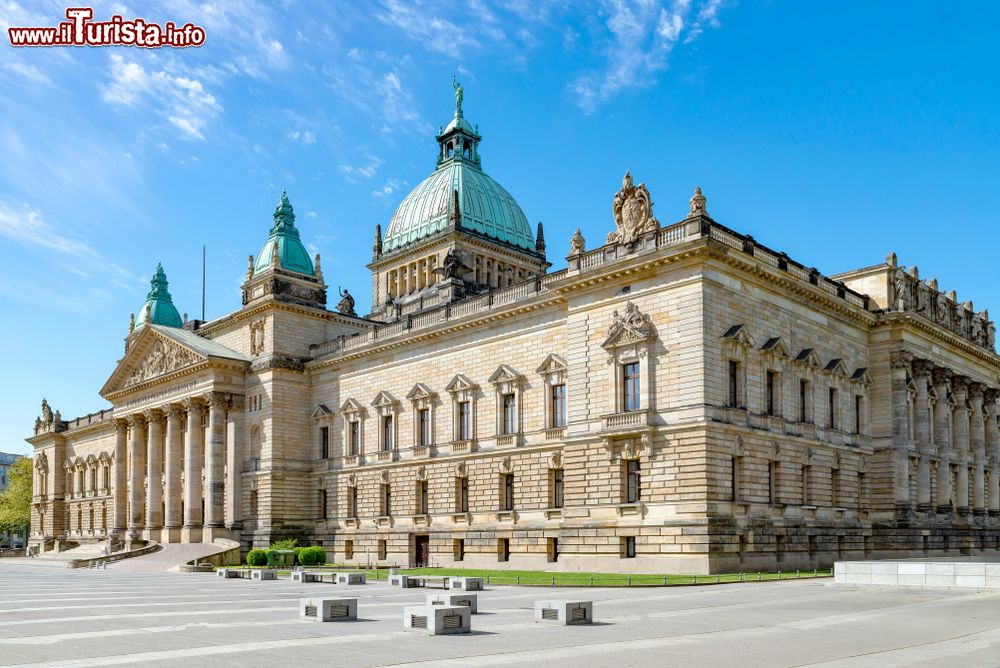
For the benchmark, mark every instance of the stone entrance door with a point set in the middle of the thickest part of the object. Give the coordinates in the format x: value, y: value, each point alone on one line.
x: 421, y: 550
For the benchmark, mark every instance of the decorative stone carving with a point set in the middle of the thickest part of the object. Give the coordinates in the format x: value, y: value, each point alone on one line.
x: 698, y: 204
x: 900, y: 359
x: 422, y: 473
x: 383, y: 477
x: 452, y: 266
x: 555, y: 461
x: 506, y: 466
x: 633, y: 209
x: 462, y: 470
x: 577, y: 245
x: 629, y: 328
x: 257, y: 336
x: 161, y: 358
x: 346, y: 305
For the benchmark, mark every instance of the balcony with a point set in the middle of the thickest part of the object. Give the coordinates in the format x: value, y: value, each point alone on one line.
x: 353, y: 460
x: 555, y: 434
x: 386, y: 456
x: 631, y: 421
x: 423, y: 451
x: 463, y: 446
x: 507, y: 440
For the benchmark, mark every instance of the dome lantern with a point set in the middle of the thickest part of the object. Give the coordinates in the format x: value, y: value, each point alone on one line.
x: 159, y: 308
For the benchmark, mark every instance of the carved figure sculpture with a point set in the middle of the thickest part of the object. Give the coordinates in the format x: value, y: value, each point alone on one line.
x: 346, y: 305
x: 633, y: 209
x: 577, y: 245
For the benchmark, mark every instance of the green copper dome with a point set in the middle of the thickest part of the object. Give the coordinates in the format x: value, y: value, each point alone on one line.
x: 159, y: 308
x: 291, y: 252
x: 459, y: 193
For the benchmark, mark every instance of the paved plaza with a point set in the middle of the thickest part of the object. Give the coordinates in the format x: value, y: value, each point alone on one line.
x: 58, y: 617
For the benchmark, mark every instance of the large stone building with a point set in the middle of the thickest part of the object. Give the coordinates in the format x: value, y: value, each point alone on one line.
x: 679, y: 398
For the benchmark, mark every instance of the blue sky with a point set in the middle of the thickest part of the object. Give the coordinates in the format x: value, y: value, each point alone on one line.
x: 835, y: 131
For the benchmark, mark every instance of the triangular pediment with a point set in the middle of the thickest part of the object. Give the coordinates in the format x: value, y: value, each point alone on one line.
x: 382, y: 399
x: 837, y: 367
x: 862, y: 376
x: 504, y: 374
x: 741, y: 335
x: 352, y: 406
x: 552, y: 364
x: 808, y: 357
x: 158, y: 352
x: 321, y: 412
x: 631, y: 327
x: 420, y: 391
x: 460, y: 382
x: 776, y: 346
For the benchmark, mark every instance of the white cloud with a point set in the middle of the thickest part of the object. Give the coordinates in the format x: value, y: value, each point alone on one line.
x: 354, y: 173
x: 182, y: 100
x: 708, y: 13
x: 305, y: 136
x: 26, y: 226
x: 390, y: 187
x: 423, y: 24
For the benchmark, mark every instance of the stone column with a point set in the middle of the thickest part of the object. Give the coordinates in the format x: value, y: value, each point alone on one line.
x: 235, y: 458
x: 977, y: 443
x: 922, y: 432
x: 993, y: 449
x: 137, y: 449
x: 193, y: 442
x: 154, y: 473
x: 214, y: 460
x: 120, y: 480
x: 172, y: 473
x: 960, y: 417
x: 900, y: 365
x: 942, y: 435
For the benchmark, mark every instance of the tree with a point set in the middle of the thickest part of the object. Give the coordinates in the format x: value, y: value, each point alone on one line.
x: 15, y: 501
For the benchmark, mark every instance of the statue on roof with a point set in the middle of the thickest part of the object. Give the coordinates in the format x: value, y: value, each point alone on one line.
x: 46, y: 413
x: 633, y: 209
x: 459, y: 96
x: 452, y: 266
x: 346, y: 305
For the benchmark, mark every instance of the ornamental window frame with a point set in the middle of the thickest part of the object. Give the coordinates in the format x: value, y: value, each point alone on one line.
x: 737, y: 342
x: 461, y: 390
x: 629, y: 340
x: 860, y: 382
x: 836, y: 387
x: 323, y: 419
x: 387, y: 408
x: 423, y: 398
x: 774, y: 357
x: 553, y: 372
x: 353, y: 412
x: 808, y: 362
x: 507, y: 382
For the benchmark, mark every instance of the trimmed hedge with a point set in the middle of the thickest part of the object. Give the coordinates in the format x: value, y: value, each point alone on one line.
x: 312, y: 556
x: 257, y: 558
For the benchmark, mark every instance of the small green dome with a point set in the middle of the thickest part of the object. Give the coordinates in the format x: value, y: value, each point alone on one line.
x: 159, y: 308
x: 291, y: 252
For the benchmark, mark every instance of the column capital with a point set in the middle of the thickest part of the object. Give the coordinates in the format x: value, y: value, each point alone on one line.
x: 941, y: 375
x: 922, y: 368
x: 193, y: 405
x: 900, y: 359
x: 990, y: 396
x: 136, y: 420
x: 237, y: 402
x: 175, y: 411
x: 960, y: 385
x: 216, y: 399
x: 153, y: 415
x: 976, y: 391
x: 121, y: 425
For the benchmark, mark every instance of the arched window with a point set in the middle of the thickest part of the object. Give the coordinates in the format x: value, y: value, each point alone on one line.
x: 466, y: 151
x: 449, y: 150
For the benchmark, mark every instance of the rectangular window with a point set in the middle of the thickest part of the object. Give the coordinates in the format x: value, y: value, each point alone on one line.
x: 383, y: 551
x: 348, y: 549
x: 507, y: 491
x: 630, y: 387
x: 557, y: 487
x: 324, y: 442
x: 465, y: 420
x: 769, y: 398
x: 552, y: 549
x: 503, y: 549
x: 806, y: 491
x: 558, y: 417
x: 458, y: 547
x: 322, y: 504
x: 628, y: 547
x: 633, y: 481
x: 805, y: 396
x: 858, y: 408
x: 352, y: 502
x: 422, y: 497
x: 253, y: 502
x: 509, y: 414
x: 355, y: 436
x: 862, y: 492
x: 424, y: 427
x: 734, y: 478
x: 734, y: 384
x: 387, y: 433
x: 386, y: 493
x: 834, y: 485
x: 772, y: 482
x: 832, y: 408
x: 462, y: 495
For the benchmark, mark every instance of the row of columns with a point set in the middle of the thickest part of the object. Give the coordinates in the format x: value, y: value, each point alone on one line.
x: 161, y: 448
x: 966, y: 434
x: 411, y: 277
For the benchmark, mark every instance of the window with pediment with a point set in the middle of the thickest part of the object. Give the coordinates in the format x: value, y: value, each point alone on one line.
x: 836, y: 376
x: 354, y: 427
x: 507, y: 384
x: 737, y: 342
x: 628, y: 342
x: 386, y: 408
x: 423, y: 399
x: 807, y: 362
x: 774, y: 356
x: 553, y: 372
x: 464, y: 394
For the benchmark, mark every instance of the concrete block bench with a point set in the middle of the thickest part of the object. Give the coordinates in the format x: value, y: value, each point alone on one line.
x: 264, y: 574
x: 328, y: 609
x: 231, y: 573
x: 465, y: 584
x: 306, y: 576
x: 396, y: 580
x: 468, y: 600
x: 435, y: 620
x: 350, y: 578
x: 565, y: 613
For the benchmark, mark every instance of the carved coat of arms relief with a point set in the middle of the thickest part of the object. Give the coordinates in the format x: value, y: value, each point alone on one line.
x: 633, y: 209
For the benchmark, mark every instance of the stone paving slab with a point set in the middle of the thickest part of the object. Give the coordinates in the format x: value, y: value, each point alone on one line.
x: 89, y: 618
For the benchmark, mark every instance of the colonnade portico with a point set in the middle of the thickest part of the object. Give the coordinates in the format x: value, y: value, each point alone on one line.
x: 170, y: 475
x: 956, y: 434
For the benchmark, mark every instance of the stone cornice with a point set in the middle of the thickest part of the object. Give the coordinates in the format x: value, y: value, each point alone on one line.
x: 914, y: 321
x: 211, y: 363
x: 225, y: 322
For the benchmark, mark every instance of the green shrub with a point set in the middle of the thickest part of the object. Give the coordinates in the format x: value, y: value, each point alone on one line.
x: 257, y: 558
x: 286, y: 544
x: 312, y: 556
x: 273, y: 559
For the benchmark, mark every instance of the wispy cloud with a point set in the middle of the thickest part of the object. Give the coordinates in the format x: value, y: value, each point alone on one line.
x: 23, y: 225
x: 638, y: 40
x: 425, y: 25
x: 304, y: 136
x: 374, y: 82
x: 356, y: 173
x: 390, y: 187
